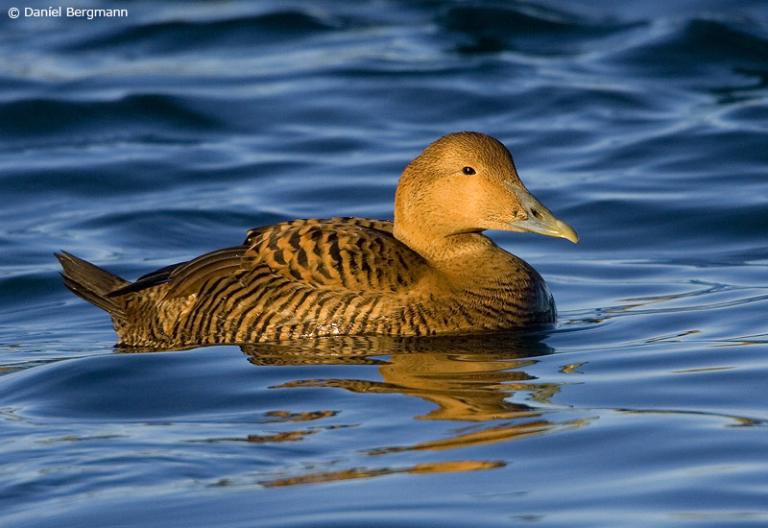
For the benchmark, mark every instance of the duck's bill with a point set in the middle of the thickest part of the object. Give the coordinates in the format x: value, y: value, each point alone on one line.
x: 541, y: 220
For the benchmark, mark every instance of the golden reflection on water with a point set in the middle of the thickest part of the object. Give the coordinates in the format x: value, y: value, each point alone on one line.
x: 359, y: 473
x: 465, y: 378
x: 471, y: 379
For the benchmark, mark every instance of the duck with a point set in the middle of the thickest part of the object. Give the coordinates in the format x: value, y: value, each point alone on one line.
x: 430, y: 271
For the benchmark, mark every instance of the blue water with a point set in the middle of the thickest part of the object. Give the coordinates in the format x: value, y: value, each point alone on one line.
x: 142, y: 141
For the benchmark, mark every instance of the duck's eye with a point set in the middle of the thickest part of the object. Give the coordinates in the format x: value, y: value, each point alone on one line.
x: 469, y: 171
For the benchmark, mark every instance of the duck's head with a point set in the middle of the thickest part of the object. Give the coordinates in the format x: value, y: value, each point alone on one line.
x: 466, y: 183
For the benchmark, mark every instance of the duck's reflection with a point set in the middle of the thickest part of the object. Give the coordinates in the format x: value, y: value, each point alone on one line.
x: 480, y: 381
x: 468, y: 378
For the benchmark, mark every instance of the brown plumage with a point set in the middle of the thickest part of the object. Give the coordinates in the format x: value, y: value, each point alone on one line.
x: 431, y: 271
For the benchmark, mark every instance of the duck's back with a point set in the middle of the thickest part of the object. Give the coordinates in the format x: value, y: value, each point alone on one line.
x: 306, y: 278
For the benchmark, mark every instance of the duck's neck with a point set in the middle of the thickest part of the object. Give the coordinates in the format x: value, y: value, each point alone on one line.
x: 448, y: 251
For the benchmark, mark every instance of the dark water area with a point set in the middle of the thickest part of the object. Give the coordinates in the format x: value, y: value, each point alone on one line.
x: 141, y: 141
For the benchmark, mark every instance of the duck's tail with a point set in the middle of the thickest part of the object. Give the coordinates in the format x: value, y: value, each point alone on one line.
x: 92, y: 283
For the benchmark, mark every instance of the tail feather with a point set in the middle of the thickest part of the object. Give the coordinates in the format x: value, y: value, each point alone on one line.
x: 92, y: 283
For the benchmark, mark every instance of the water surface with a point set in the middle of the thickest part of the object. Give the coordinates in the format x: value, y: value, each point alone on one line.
x: 144, y: 141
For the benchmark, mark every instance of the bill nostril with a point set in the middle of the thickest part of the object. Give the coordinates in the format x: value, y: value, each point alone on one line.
x: 536, y: 214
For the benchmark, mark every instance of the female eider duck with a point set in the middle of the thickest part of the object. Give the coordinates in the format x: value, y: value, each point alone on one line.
x: 431, y: 271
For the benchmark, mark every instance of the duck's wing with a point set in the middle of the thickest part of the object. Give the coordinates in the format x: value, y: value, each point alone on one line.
x: 189, y: 273
x: 340, y: 254
x: 356, y: 254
